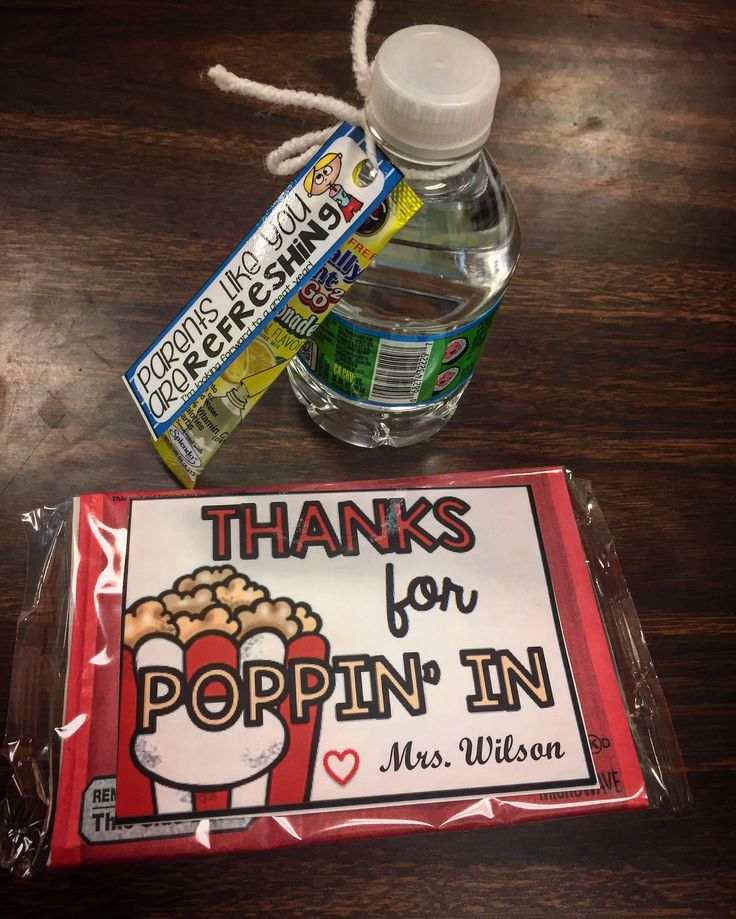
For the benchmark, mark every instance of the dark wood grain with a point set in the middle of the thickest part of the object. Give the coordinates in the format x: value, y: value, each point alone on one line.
x: 125, y: 177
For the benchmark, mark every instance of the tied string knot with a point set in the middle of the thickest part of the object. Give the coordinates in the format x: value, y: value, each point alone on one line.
x: 296, y: 152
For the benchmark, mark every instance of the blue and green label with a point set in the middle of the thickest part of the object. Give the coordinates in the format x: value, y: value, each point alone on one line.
x: 392, y: 369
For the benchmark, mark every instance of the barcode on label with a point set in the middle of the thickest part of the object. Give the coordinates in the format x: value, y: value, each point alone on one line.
x: 399, y: 371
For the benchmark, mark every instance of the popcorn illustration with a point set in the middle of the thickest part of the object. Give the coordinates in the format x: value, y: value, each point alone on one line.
x: 205, y: 718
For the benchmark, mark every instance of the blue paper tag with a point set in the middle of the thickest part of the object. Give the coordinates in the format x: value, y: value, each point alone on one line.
x: 312, y: 218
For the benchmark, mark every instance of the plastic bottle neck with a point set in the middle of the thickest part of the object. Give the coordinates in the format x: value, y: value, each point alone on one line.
x: 429, y: 187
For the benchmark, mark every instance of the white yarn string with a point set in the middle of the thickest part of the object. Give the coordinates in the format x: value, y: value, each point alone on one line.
x: 296, y: 152
x: 359, y: 45
x: 291, y: 155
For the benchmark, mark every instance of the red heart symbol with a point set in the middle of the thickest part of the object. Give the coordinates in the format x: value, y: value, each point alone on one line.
x: 344, y: 768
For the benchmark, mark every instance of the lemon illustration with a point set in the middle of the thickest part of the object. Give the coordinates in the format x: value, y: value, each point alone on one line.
x: 256, y: 358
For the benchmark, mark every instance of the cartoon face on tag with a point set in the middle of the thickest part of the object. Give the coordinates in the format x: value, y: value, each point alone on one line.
x: 323, y: 174
x: 322, y: 178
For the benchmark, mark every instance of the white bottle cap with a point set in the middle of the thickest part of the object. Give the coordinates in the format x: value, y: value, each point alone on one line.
x: 432, y: 93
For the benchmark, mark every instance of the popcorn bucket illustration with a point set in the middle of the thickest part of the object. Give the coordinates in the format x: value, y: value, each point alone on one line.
x: 207, y: 718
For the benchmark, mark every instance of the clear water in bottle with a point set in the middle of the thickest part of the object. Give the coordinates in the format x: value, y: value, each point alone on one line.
x: 392, y: 361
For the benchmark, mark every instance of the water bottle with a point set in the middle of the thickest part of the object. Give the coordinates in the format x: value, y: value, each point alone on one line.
x: 391, y: 362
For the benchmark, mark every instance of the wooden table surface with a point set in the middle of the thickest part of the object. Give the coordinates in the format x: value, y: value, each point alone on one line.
x: 125, y: 177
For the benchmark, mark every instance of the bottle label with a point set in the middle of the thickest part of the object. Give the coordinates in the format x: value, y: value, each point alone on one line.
x: 395, y: 369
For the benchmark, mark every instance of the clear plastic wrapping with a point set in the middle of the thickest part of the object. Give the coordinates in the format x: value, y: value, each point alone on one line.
x: 651, y: 727
x: 36, y: 707
x: 94, y: 778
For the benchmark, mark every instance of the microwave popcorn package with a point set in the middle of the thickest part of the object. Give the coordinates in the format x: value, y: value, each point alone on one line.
x: 204, y: 672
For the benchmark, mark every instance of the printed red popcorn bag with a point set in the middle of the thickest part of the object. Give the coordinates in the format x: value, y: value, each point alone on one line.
x: 199, y: 637
x: 210, y: 672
